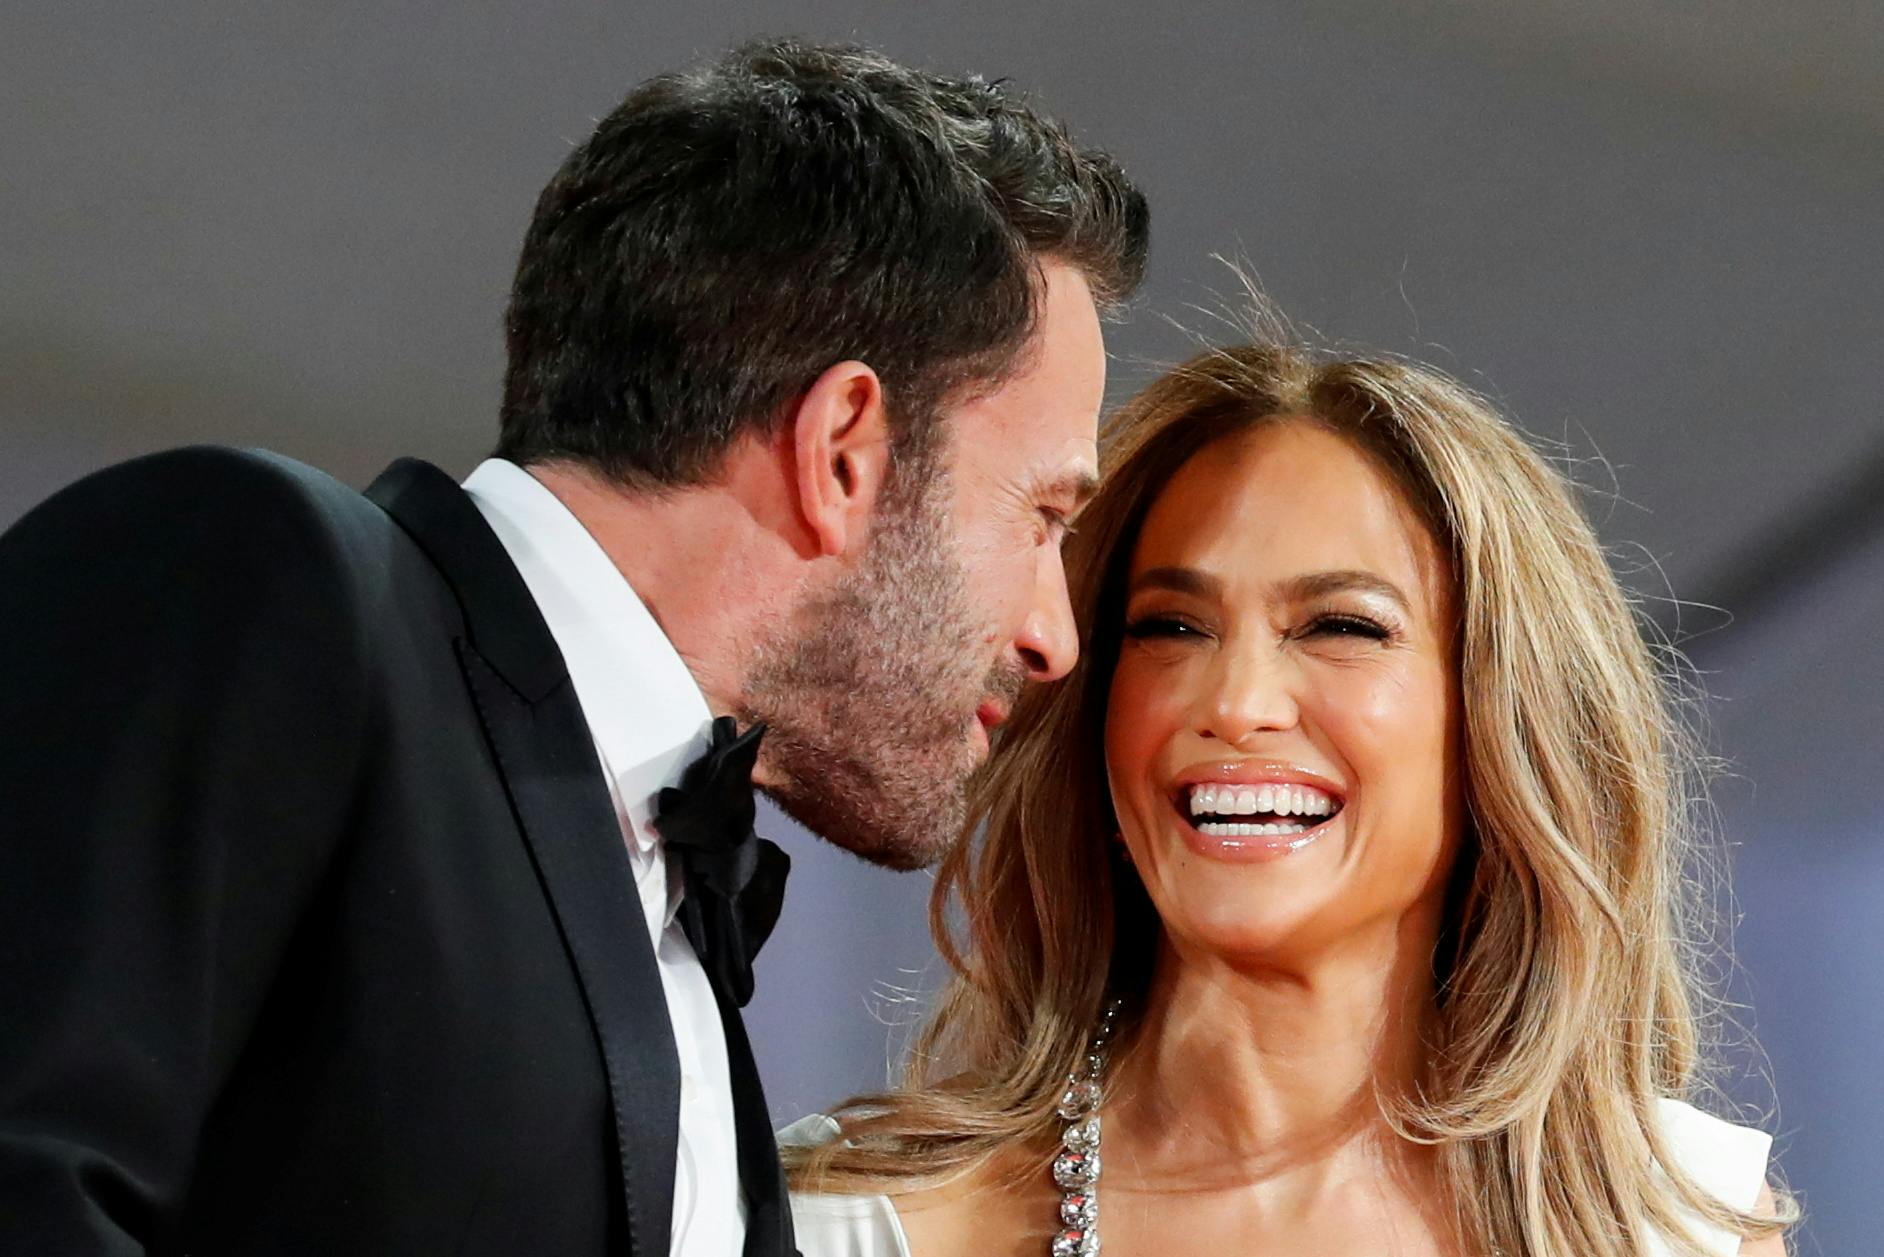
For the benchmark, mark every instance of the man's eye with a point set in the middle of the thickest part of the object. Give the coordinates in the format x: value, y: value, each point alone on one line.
x: 1059, y: 527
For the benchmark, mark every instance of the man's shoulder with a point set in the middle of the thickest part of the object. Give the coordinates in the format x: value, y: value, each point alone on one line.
x: 198, y: 487
x: 207, y: 524
x: 216, y: 478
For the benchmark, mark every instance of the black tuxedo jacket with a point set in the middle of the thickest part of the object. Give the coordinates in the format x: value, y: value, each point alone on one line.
x: 317, y: 931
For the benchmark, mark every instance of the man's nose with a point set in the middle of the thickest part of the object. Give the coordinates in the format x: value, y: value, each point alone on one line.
x: 1048, y: 640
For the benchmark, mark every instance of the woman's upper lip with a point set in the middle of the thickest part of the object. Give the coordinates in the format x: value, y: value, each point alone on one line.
x: 1256, y: 772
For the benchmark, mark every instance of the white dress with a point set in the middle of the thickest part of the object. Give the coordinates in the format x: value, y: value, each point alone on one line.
x: 1727, y: 1160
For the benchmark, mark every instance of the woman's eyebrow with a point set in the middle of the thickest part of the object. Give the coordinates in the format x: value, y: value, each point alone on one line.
x: 1304, y: 588
x: 1312, y: 585
x: 1180, y: 580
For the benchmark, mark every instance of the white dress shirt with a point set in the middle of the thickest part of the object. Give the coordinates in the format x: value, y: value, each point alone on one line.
x: 649, y: 721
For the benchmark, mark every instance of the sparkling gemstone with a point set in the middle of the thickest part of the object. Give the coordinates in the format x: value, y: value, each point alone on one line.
x: 1083, y: 1136
x: 1082, y: 1096
x: 1073, y: 1170
x: 1080, y: 1209
x: 1074, y: 1242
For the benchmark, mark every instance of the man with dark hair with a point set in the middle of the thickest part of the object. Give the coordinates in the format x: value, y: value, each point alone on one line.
x: 377, y: 872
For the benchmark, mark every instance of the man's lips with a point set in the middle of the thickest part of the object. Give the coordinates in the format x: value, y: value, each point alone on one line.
x: 991, y: 714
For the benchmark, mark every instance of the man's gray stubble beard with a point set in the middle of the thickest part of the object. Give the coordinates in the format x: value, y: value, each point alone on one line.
x: 867, y: 695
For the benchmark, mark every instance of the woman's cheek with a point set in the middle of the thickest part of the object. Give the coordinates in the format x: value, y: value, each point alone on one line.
x: 1371, y: 708
x: 1389, y: 730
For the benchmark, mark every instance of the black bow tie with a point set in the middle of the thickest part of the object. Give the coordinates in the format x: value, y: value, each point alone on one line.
x: 735, y: 879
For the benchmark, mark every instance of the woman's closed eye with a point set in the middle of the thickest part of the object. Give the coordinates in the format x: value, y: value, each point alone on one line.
x: 1343, y: 624
x: 1336, y: 626
x: 1168, y: 627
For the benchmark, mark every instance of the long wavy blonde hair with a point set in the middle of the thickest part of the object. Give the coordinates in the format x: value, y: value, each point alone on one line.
x: 1567, y: 998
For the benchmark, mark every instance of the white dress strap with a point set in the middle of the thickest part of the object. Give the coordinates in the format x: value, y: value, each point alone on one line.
x: 848, y: 1226
x: 840, y: 1226
x: 1728, y: 1161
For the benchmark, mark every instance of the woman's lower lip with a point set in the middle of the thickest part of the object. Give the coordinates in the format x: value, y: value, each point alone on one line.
x: 1250, y: 849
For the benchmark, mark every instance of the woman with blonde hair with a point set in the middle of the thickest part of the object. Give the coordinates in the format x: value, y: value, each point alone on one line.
x: 1336, y: 903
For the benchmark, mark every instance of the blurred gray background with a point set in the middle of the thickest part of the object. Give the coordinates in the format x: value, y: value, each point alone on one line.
x: 1651, y: 230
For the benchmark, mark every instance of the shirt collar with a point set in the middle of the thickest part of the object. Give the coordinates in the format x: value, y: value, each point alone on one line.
x: 644, y: 709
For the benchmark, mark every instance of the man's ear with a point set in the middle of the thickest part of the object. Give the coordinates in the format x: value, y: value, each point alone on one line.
x: 841, y: 447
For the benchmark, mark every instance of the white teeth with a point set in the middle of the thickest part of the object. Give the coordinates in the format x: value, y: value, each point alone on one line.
x: 1234, y: 829
x: 1281, y: 799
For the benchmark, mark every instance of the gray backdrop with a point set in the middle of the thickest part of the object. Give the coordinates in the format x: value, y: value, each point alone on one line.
x: 1651, y: 230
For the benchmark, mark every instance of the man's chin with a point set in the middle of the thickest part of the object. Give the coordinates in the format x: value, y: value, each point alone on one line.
x: 903, y: 839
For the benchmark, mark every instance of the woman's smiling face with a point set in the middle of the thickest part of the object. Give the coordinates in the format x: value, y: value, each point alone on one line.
x: 1282, y: 733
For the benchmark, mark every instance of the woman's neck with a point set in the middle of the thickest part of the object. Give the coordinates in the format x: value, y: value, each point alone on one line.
x: 1246, y: 1073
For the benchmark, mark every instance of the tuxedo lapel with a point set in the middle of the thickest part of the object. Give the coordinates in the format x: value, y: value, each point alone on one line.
x: 546, y: 756
x: 768, y: 1215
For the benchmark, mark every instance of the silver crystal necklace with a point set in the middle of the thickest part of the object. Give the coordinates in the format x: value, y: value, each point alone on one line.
x: 1076, y: 1167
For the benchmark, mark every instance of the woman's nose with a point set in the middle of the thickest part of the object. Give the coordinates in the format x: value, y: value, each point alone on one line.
x: 1249, y: 691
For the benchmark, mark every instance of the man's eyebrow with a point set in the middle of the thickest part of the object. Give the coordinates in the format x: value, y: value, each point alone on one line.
x: 1084, y: 485
x: 1321, y: 584
x: 1076, y: 486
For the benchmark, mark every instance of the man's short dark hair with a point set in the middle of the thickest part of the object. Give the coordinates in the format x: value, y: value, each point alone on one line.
x: 730, y: 233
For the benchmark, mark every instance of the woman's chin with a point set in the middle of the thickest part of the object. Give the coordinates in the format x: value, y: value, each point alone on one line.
x: 1213, y: 934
